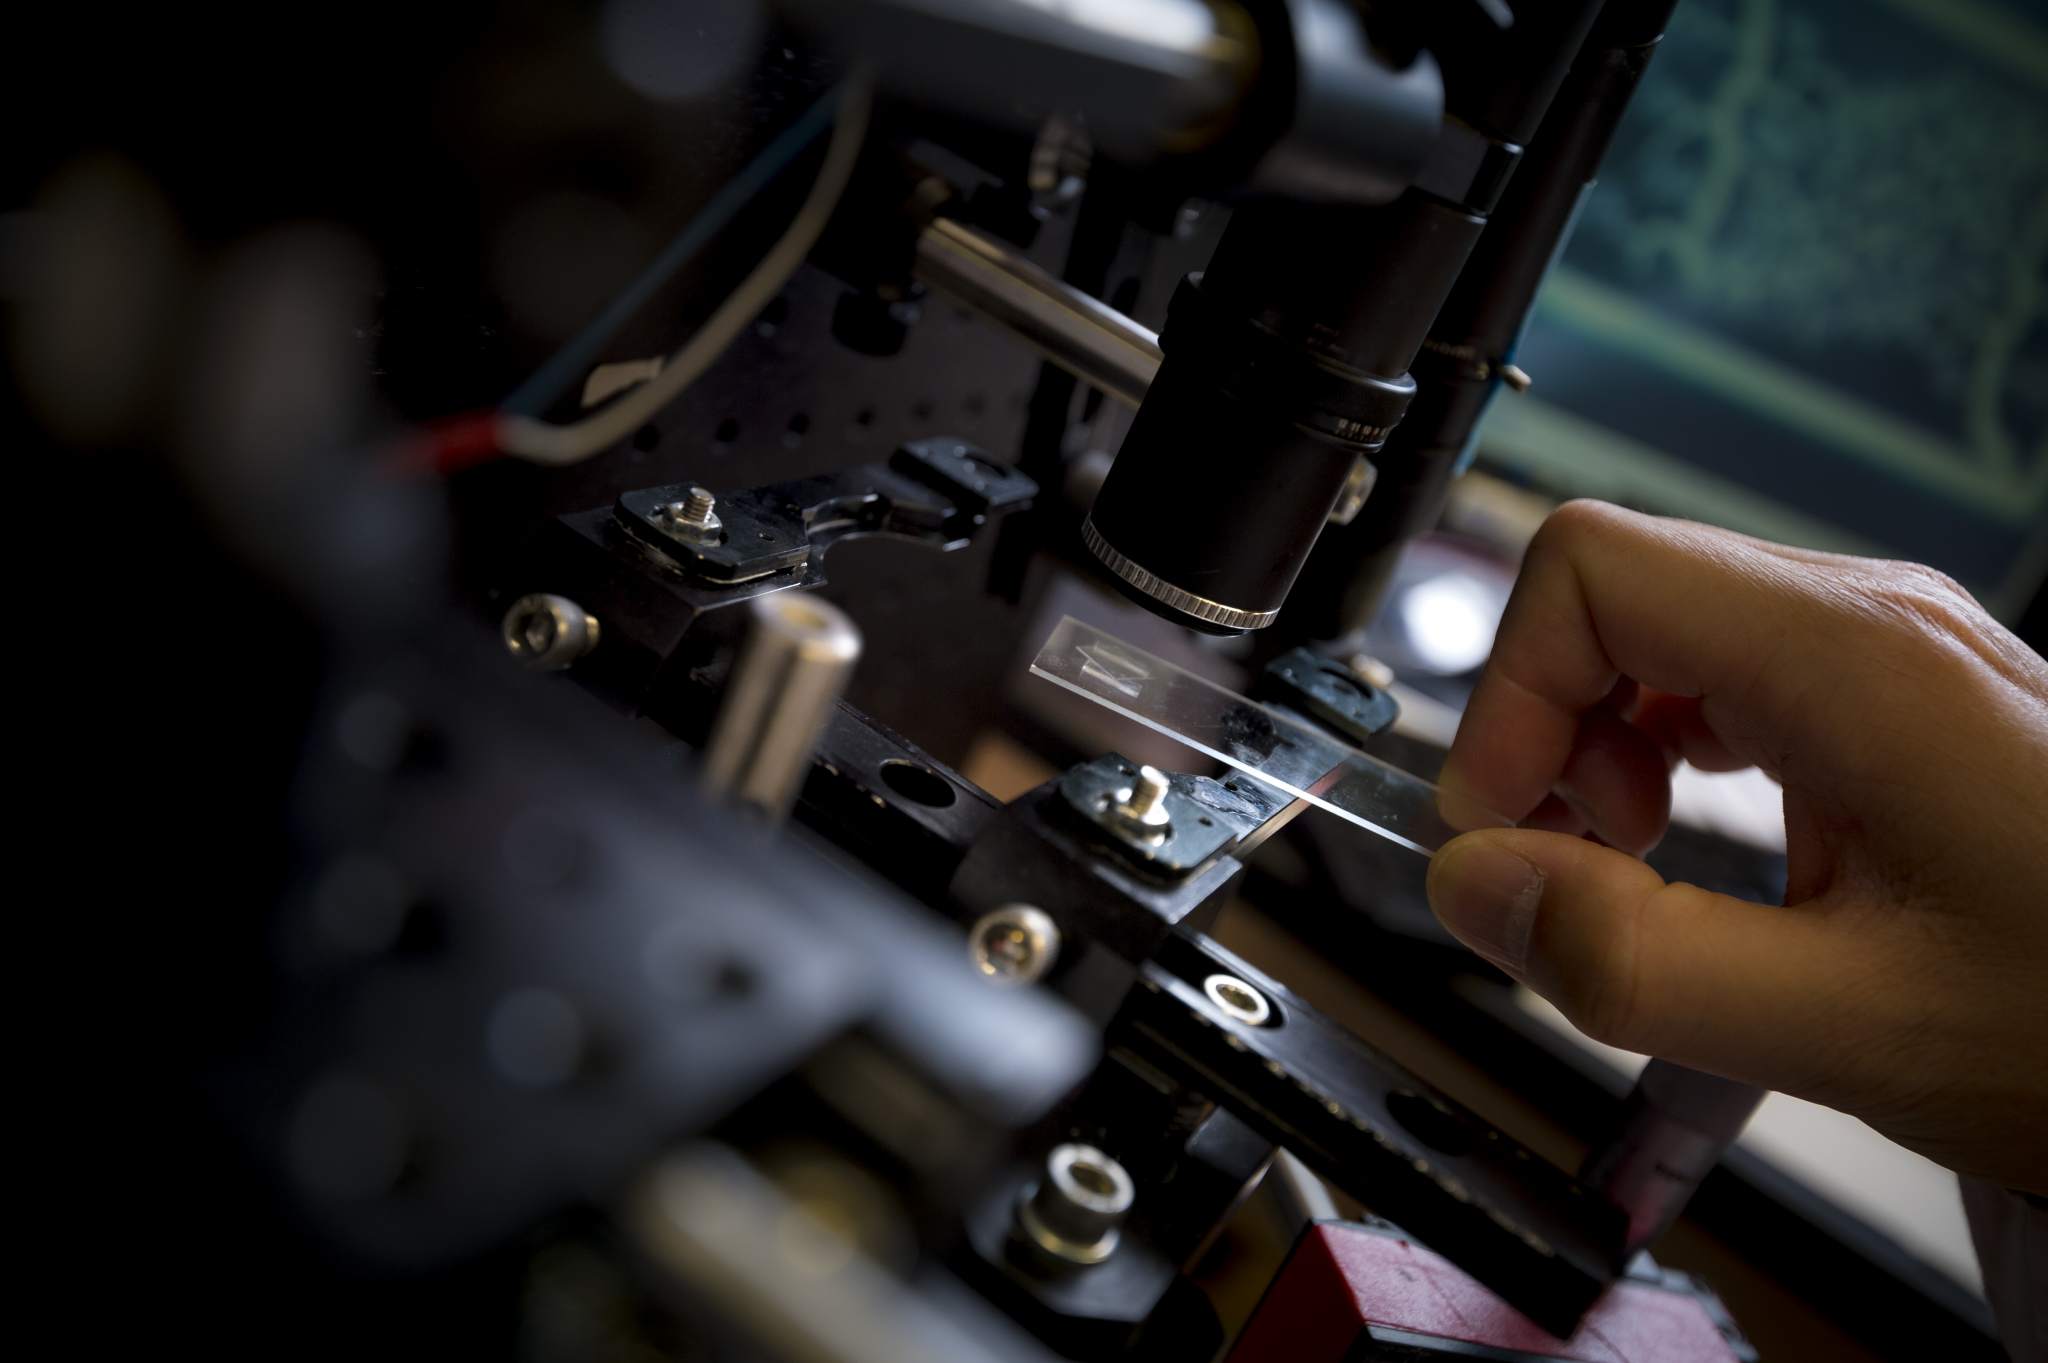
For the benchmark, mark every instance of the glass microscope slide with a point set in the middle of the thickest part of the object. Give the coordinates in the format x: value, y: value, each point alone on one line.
x: 1263, y: 742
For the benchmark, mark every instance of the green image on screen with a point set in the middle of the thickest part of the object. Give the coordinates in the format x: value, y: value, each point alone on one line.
x: 1809, y: 297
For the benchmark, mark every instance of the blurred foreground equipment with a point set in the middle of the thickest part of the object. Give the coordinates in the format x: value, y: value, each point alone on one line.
x: 597, y: 475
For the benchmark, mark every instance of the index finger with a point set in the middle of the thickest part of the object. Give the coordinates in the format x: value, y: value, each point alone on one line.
x: 1605, y: 594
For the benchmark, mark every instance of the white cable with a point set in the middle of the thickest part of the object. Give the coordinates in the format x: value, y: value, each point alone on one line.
x: 543, y: 442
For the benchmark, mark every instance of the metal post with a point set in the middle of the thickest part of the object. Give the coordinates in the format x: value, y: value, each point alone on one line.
x: 1674, y: 1128
x: 798, y: 653
x: 1080, y: 334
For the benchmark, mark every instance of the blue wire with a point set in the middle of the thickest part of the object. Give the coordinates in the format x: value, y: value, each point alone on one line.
x: 581, y: 351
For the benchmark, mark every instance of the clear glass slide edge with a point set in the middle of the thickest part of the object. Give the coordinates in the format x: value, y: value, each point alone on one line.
x: 1296, y: 757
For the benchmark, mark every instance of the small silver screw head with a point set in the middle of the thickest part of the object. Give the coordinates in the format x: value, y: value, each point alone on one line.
x: 1014, y: 943
x: 547, y: 633
x: 1143, y: 805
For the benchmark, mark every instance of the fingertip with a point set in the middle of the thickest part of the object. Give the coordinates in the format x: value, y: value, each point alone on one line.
x: 1487, y: 895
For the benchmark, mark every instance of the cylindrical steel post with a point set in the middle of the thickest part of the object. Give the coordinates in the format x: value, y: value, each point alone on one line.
x: 1675, y: 1127
x: 1086, y: 337
x: 792, y: 667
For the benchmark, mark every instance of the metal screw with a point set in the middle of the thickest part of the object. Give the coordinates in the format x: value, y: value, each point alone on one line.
x: 696, y: 516
x: 1516, y: 377
x: 1143, y: 806
x: 1370, y: 670
x: 547, y: 633
x: 1074, y: 1209
x: 1238, y: 999
x: 1358, y: 485
x: 1014, y: 943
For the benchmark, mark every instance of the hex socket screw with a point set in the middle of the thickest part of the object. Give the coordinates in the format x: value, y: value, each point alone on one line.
x: 547, y: 633
x: 1014, y: 943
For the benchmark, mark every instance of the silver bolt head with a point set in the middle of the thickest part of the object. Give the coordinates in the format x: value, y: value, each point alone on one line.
x: 1143, y: 805
x: 682, y: 513
x: 1014, y: 943
x: 1074, y: 1210
x: 698, y: 507
x: 695, y: 517
x: 547, y: 633
x: 1370, y: 670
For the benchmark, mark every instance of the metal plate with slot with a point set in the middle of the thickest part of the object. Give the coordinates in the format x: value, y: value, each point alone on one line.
x: 1520, y: 1225
x: 1275, y: 747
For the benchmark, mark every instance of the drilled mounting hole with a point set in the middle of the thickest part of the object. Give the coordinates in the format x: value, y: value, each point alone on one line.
x: 1093, y: 1177
x: 918, y: 783
x: 1239, y: 996
x: 1239, y: 1000
x: 728, y: 431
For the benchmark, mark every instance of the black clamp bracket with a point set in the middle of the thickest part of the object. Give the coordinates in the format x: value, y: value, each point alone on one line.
x: 936, y: 491
x: 1327, y: 692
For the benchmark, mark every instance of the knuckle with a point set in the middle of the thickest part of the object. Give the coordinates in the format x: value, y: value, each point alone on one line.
x: 1946, y: 634
x: 1914, y: 615
x: 1603, y: 999
x: 1578, y: 533
x: 1927, y: 604
x: 1920, y: 580
x: 1603, y: 1006
x: 1580, y: 519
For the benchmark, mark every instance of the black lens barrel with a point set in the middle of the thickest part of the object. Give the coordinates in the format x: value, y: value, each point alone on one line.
x: 1287, y: 359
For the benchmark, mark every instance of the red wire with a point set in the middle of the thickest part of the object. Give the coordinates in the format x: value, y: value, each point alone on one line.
x: 449, y: 445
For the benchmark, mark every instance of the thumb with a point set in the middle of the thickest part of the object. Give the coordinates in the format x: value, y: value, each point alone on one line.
x: 1673, y: 970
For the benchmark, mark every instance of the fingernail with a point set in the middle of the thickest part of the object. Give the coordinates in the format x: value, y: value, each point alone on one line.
x: 1487, y: 896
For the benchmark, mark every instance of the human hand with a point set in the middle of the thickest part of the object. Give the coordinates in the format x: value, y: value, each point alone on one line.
x: 1906, y: 979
